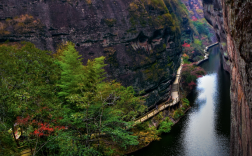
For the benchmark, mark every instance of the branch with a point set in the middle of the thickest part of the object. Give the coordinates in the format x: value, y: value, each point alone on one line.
x: 45, y: 144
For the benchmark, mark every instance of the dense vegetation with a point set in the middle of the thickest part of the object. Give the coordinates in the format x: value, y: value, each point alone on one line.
x: 61, y: 106
x: 189, y: 74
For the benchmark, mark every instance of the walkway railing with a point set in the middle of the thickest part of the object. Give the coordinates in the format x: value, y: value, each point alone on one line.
x: 207, y: 47
x: 206, y: 55
x: 156, y: 111
x: 161, y: 107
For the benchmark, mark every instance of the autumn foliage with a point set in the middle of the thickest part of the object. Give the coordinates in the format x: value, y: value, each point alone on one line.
x: 185, y: 44
x: 194, y: 18
x: 190, y: 73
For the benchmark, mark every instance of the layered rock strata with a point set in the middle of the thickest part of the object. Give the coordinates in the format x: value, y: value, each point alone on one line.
x: 140, y: 40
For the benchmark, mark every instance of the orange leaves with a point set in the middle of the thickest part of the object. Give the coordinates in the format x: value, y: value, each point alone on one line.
x: 133, y: 6
x: 23, y: 18
x: 185, y: 55
x: 23, y: 23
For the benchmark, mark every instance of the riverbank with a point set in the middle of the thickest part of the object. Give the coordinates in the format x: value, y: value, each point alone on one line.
x: 206, y: 125
x: 170, y: 113
x: 156, y: 123
x: 151, y: 124
x: 206, y: 54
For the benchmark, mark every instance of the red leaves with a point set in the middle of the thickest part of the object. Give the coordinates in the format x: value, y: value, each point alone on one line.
x: 186, y: 44
x: 191, y: 84
x: 190, y: 72
x: 43, y: 129
x: 194, y: 18
x: 22, y: 121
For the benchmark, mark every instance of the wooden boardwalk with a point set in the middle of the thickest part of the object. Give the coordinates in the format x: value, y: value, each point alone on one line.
x: 206, y: 54
x: 175, y: 97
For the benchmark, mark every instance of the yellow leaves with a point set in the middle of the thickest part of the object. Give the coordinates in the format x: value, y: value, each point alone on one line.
x: 145, y: 137
x: 22, y: 24
x: 109, y: 50
x: 23, y: 18
x: 133, y: 6
x: 89, y: 2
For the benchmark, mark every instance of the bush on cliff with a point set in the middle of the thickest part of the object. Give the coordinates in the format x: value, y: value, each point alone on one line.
x: 185, y: 104
x: 201, y: 27
x: 189, y: 75
x: 165, y: 126
x: 177, y: 113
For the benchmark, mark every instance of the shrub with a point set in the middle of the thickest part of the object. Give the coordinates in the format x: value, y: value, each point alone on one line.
x: 223, y: 44
x: 201, y: 27
x: 198, y: 42
x: 178, y: 113
x: 165, y: 126
x: 185, y: 59
x: 185, y: 103
x: 190, y: 72
x: 110, y: 22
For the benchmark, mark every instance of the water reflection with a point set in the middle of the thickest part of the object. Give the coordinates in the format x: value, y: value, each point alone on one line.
x: 205, y: 129
x: 198, y: 135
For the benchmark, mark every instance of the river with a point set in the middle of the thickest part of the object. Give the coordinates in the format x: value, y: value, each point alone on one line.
x: 205, y: 129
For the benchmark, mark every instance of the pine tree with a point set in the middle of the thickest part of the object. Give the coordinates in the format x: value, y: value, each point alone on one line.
x: 72, y: 71
x: 94, y: 107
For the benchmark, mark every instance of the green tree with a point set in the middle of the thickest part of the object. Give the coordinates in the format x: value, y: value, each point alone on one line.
x: 72, y: 71
x: 201, y: 27
x: 28, y: 78
x: 97, y: 112
x: 8, y: 147
x: 165, y: 126
x: 61, y: 106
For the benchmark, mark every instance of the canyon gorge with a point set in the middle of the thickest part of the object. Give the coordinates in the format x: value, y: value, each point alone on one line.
x: 142, y: 41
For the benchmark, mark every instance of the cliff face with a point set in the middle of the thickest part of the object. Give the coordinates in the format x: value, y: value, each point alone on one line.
x: 236, y: 21
x: 214, y: 15
x: 140, y: 39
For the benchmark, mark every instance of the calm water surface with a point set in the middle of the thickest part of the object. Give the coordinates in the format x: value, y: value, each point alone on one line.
x: 205, y: 129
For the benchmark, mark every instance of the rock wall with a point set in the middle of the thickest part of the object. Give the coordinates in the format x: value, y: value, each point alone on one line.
x: 234, y: 17
x: 140, y: 39
x: 214, y: 15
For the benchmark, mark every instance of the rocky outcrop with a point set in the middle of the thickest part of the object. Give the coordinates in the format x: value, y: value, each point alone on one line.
x: 140, y: 39
x: 234, y: 22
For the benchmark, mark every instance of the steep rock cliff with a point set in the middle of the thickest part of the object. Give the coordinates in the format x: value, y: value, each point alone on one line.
x: 214, y: 15
x: 234, y: 23
x: 140, y: 39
